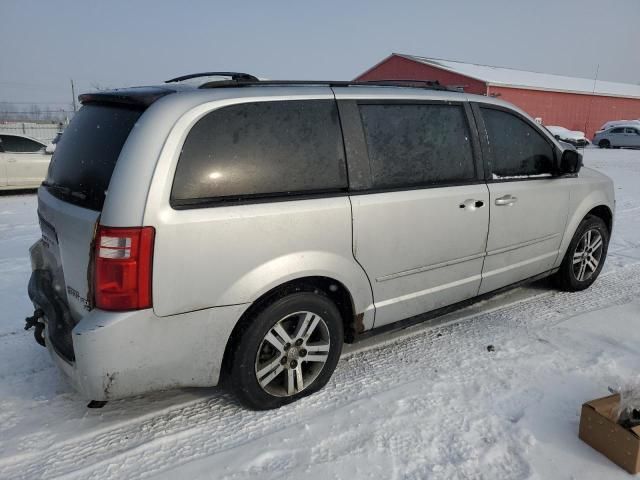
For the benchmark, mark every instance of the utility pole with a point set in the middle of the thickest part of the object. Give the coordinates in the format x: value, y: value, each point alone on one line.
x: 595, y: 79
x: 73, y: 94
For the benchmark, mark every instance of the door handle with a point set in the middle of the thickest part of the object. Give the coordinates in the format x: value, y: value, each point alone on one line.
x: 507, y: 200
x: 471, y: 204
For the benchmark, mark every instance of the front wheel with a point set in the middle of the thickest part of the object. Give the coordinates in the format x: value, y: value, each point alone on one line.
x: 288, y: 350
x: 585, y: 256
x: 604, y: 144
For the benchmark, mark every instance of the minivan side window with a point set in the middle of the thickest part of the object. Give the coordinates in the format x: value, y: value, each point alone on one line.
x: 262, y: 149
x: 16, y: 144
x: 518, y: 150
x: 417, y: 144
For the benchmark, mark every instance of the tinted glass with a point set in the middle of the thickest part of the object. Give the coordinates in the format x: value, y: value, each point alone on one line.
x: 15, y: 144
x: 264, y: 148
x: 87, y: 153
x: 517, y: 148
x: 617, y: 130
x: 413, y: 145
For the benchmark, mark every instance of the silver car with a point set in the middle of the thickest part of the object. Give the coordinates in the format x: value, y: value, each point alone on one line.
x: 245, y: 229
x: 627, y: 136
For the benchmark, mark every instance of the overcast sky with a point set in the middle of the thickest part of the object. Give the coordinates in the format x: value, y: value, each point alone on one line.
x: 121, y: 43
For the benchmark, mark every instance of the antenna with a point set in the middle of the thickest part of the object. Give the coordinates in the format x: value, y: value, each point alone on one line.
x: 595, y: 79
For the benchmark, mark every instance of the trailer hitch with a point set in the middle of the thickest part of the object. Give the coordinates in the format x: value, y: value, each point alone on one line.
x: 36, y: 321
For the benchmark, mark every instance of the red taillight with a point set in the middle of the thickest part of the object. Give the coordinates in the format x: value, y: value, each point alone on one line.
x: 123, y: 259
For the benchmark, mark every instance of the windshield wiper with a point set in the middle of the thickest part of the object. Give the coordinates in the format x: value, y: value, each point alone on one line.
x: 65, y: 190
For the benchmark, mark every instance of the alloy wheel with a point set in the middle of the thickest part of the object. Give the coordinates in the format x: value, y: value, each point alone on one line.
x: 292, y: 354
x: 587, y: 255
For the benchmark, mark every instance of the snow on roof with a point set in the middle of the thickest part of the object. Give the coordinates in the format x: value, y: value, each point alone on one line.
x: 509, y: 77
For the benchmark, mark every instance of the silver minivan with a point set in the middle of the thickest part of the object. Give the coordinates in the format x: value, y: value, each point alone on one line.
x: 245, y: 230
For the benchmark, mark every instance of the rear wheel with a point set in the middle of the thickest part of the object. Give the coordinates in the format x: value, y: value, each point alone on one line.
x: 604, y: 144
x: 289, y: 350
x: 585, y: 256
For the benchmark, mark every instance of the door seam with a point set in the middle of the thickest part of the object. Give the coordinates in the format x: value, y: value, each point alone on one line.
x: 486, y: 242
x: 353, y: 254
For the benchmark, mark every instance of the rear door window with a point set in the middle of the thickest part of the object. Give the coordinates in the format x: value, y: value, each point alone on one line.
x: 250, y: 150
x: 17, y: 144
x: 417, y: 144
x: 517, y: 148
x: 87, y: 153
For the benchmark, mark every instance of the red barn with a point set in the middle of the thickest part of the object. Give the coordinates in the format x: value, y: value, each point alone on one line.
x: 571, y: 102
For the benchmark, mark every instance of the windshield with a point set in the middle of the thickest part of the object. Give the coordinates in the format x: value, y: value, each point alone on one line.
x: 87, y: 153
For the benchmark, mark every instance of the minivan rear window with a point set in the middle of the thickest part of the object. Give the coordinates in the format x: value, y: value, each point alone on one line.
x: 87, y: 153
x: 262, y: 149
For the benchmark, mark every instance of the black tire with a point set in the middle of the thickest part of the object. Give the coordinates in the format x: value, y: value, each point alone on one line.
x: 604, y: 144
x: 566, y: 277
x: 242, y: 370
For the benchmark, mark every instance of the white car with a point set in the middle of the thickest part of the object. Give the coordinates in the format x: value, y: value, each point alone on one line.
x: 574, y: 137
x: 23, y: 162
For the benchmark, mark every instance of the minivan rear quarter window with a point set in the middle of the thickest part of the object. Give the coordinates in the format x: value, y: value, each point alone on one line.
x: 417, y: 144
x: 262, y: 149
x: 87, y: 153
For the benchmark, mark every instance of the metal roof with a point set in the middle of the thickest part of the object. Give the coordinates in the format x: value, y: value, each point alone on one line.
x: 509, y: 77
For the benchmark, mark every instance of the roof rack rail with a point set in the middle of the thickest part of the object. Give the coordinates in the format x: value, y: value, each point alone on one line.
x: 235, y: 76
x: 396, y: 81
x: 425, y: 84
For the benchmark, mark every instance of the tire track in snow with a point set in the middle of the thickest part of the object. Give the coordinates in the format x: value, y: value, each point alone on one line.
x: 162, y: 440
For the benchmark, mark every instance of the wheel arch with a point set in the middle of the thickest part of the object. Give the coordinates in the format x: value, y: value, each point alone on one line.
x: 595, y: 204
x: 605, y: 213
x: 352, y: 321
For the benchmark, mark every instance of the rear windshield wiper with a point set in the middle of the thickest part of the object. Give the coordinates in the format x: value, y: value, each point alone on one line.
x: 65, y: 190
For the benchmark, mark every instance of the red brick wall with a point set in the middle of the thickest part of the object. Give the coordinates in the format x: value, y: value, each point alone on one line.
x: 400, y: 68
x: 570, y: 110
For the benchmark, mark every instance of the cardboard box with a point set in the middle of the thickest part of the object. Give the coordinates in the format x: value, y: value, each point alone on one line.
x: 599, y: 429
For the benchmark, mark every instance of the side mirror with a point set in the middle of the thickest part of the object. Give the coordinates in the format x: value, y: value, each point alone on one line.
x: 570, y: 162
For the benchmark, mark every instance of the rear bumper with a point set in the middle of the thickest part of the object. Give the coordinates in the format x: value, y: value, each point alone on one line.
x: 118, y: 355
x: 110, y: 355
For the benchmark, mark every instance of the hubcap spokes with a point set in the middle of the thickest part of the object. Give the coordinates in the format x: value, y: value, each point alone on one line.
x: 292, y: 354
x: 587, y: 255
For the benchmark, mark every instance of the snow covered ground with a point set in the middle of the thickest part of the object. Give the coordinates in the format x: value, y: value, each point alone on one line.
x: 427, y: 402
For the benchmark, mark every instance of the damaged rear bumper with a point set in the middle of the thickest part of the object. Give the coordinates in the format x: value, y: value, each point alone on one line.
x: 122, y: 354
x: 111, y: 355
